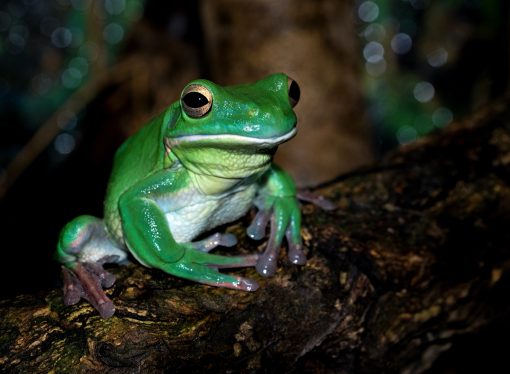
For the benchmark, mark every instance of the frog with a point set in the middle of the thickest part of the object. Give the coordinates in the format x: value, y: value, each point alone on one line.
x: 201, y: 163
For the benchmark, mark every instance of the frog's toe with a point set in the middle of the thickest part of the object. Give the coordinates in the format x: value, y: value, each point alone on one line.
x: 238, y: 261
x: 72, y: 287
x: 218, y: 261
x: 295, y: 252
x: 87, y: 281
x: 257, y: 228
x: 209, y: 274
x: 317, y: 200
x: 107, y: 279
x: 267, y: 264
x: 268, y: 261
x: 235, y: 283
x: 215, y: 240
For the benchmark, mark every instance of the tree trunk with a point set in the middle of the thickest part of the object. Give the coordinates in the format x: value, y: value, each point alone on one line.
x: 415, y: 256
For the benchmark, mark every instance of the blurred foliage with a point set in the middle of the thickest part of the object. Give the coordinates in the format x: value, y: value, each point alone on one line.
x: 49, y: 49
x: 427, y: 62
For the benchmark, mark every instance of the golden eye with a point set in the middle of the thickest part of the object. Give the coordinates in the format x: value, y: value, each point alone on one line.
x: 294, y: 92
x: 196, y: 100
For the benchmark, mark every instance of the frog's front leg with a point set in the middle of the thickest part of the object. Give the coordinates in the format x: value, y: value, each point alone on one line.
x: 83, y: 248
x: 277, y: 203
x: 150, y: 239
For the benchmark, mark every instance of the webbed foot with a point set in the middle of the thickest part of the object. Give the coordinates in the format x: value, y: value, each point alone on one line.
x: 284, y: 216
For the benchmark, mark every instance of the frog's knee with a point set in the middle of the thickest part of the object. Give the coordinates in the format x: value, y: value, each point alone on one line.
x: 74, y: 236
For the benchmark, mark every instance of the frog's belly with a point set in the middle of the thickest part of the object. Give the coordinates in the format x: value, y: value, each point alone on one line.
x: 203, y: 213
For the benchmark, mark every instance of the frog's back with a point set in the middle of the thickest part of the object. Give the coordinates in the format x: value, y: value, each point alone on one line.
x: 139, y: 156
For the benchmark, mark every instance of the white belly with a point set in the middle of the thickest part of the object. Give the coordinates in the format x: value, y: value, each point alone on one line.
x: 202, y: 212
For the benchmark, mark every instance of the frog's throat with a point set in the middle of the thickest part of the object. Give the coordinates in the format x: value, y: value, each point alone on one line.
x: 218, y: 163
x: 233, y: 139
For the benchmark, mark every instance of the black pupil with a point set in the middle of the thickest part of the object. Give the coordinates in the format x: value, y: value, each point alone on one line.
x: 195, y: 100
x: 294, y: 91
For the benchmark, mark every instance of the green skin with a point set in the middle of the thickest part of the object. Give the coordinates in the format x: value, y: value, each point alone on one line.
x: 179, y: 177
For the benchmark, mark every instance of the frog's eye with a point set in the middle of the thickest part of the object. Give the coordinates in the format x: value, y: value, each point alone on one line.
x: 196, y: 100
x: 294, y: 92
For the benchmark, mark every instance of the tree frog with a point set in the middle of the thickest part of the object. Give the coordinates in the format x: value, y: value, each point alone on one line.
x: 201, y: 163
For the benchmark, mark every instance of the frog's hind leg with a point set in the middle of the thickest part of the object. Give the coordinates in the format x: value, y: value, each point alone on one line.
x: 200, y: 266
x: 203, y: 268
x: 83, y: 248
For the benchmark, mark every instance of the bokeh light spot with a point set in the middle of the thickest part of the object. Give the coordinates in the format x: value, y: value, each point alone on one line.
x: 17, y: 40
x: 113, y: 33
x: 115, y: 6
x: 80, y: 63
x: 442, y: 116
x: 423, y: 92
x: 373, y: 52
x: 18, y: 35
x: 61, y: 37
x: 64, y: 144
x: 437, y: 58
x: 374, y: 31
x: 71, y: 78
x: 368, y: 11
x: 401, y: 43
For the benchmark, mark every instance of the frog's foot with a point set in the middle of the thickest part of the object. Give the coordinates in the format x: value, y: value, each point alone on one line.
x: 83, y: 248
x: 267, y: 263
x: 318, y: 200
x: 87, y: 280
x: 215, y: 240
x: 285, y: 221
x: 203, y: 267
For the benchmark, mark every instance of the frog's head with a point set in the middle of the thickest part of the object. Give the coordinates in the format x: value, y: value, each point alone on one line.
x: 233, y: 131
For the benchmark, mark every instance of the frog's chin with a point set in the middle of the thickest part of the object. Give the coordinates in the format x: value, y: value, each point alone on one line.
x: 231, y: 140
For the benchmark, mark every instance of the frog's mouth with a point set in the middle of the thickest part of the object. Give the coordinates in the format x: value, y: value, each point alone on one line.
x: 230, y: 140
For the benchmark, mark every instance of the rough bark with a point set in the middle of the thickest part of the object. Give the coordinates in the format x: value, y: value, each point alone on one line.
x: 416, y: 255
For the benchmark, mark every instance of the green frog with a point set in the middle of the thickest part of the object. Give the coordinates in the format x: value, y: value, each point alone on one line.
x: 203, y: 162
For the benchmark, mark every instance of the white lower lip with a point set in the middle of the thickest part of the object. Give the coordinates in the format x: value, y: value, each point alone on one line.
x: 235, y: 139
